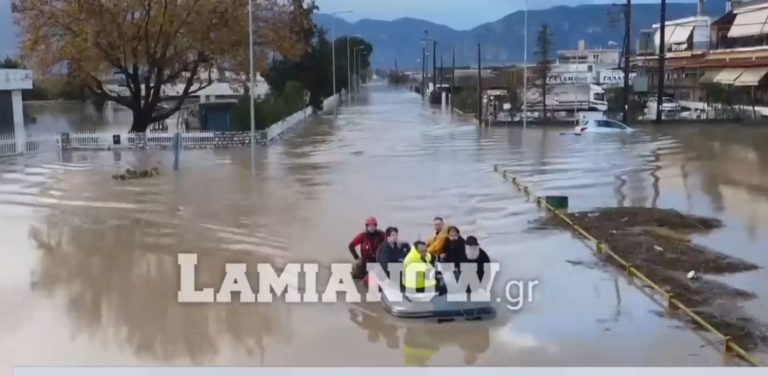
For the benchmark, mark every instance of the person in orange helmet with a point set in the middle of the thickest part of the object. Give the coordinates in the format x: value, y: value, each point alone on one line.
x: 369, y: 242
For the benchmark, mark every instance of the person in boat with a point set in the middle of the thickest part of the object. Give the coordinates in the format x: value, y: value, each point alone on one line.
x: 454, y: 249
x: 476, y: 255
x: 369, y: 241
x: 419, y: 272
x: 390, y: 251
x: 436, y: 243
x: 439, y: 227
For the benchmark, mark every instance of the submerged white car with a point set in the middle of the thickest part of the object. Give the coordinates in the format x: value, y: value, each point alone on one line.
x: 592, y: 125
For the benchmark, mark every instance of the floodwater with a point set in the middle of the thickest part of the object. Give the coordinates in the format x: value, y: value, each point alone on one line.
x: 90, y: 273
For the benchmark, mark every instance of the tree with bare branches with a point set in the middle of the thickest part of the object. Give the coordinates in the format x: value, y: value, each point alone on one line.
x: 149, y: 45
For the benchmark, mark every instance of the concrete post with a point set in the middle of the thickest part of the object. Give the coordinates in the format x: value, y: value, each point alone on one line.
x: 18, y: 122
x: 443, y: 100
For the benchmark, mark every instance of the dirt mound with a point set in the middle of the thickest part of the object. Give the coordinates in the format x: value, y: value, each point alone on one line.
x: 657, y: 243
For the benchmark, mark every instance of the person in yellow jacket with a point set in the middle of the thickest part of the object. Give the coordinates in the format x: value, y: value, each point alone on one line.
x: 418, y: 269
x: 436, y: 244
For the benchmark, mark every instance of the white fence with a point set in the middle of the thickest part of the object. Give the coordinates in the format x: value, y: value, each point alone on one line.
x: 31, y: 143
x: 278, y: 129
x: 48, y: 142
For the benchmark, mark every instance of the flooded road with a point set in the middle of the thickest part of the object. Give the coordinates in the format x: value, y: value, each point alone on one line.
x: 91, y: 275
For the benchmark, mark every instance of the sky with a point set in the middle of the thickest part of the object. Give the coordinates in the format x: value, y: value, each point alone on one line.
x: 458, y: 14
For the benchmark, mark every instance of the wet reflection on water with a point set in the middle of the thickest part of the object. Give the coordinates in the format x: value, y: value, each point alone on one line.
x: 93, y: 275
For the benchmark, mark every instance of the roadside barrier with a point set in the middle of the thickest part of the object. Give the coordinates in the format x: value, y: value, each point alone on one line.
x: 600, y: 248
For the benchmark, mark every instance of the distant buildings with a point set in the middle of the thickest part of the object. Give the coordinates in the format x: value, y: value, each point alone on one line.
x: 582, y: 55
x: 704, y: 55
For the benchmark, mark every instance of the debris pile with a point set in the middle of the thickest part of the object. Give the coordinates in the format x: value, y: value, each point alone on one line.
x: 657, y: 242
x: 137, y: 174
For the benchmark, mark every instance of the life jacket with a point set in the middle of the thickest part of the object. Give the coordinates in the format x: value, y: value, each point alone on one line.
x: 418, y: 274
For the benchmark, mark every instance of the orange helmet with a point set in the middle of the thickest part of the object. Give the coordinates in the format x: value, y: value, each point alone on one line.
x: 371, y: 221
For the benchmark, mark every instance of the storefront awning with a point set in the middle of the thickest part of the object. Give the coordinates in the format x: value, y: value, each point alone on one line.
x: 709, y: 76
x: 680, y: 34
x: 750, y: 23
x: 728, y: 76
x: 751, y: 76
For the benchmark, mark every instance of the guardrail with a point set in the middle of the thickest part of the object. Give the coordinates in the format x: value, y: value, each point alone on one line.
x: 601, y: 247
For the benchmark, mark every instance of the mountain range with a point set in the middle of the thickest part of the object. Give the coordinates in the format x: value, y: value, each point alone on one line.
x: 501, y: 40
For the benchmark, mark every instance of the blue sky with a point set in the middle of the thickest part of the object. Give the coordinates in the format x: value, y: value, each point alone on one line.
x: 458, y: 14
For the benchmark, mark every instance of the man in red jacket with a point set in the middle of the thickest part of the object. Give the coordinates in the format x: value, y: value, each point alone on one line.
x: 369, y: 242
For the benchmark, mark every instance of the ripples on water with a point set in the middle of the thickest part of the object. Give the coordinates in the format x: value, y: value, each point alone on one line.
x: 102, y: 254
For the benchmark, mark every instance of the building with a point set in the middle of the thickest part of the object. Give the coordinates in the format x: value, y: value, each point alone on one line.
x: 687, y: 41
x: 582, y: 55
x: 12, y: 82
x: 703, y: 56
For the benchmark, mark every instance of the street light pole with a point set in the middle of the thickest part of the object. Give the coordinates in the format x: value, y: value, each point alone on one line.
x: 357, y: 67
x: 333, y: 62
x: 333, y: 53
x: 525, y: 68
x: 349, y: 74
x: 250, y: 79
x: 359, y: 70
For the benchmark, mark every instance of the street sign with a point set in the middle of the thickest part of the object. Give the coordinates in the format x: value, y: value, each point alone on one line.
x: 15, y: 79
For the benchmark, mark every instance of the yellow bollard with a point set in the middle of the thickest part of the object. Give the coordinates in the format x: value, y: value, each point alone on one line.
x: 670, y: 306
x: 728, y: 341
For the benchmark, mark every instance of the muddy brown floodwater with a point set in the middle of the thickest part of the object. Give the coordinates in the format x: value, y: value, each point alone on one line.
x: 90, y: 272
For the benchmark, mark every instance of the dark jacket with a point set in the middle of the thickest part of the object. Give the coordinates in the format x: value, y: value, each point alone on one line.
x: 481, y: 260
x: 455, y: 252
x: 389, y: 254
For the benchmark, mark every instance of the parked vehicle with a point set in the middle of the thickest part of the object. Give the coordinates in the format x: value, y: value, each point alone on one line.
x: 670, y: 109
x: 592, y: 122
x: 569, y: 98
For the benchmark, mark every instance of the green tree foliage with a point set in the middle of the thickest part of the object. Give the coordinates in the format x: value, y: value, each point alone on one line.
x: 9, y: 63
x: 544, y: 66
x: 314, y: 69
x: 364, y: 52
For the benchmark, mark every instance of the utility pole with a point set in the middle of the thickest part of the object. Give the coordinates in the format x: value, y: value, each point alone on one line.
x: 423, y: 69
x: 525, y: 68
x: 359, y: 70
x: 441, y: 70
x: 453, y: 75
x: 662, y: 57
x: 479, y: 87
x: 627, y: 53
x: 333, y: 64
x: 349, y: 74
x: 251, y: 83
x: 434, y: 65
x: 424, y: 64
